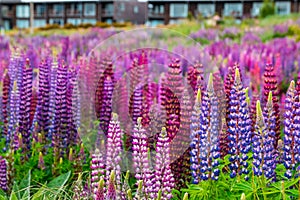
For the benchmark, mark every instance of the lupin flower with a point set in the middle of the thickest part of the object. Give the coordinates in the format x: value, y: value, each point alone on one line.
x: 104, y: 92
x: 163, y: 179
x: 174, y: 92
x: 180, y: 144
x: 111, y: 189
x: 5, y: 102
x: 97, y: 167
x: 195, y: 139
x: 60, y: 123
x: 12, y: 134
x: 140, y: 156
x: 258, y: 141
x: 3, y: 174
x: 114, y: 148
x: 100, y: 190
x: 270, y: 139
x: 41, y: 164
x: 291, y: 121
x: 239, y: 128
x: 25, y: 102
x: 209, y: 133
x: 270, y: 84
x: 106, y: 109
x: 43, y: 106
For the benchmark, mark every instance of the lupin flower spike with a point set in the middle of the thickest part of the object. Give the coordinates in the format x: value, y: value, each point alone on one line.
x: 186, y: 196
x: 41, y: 164
x: 100, y: 191
x: 111, y: 190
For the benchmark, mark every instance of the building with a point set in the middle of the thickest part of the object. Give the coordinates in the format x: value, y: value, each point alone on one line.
x: 171, y: 11
x: 16, y: 13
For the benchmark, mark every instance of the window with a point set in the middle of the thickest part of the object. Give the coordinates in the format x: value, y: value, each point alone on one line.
x: 109, y: 21
x: 122, y: 7
x: 74, y: 21
x: 206, y: 10
x: 75, y: 9
x: 57, y: 21
x: 233, y: 9
x: 178, y: 10
x: 90, y: 9
x: 58, y: 9
x: 256, y: 9
x: 283, y: 8
x: 7, y: 25
x: 135, y: 9
x: 5, y: 11
x: 109, y: 9
x: 22, y: 23
x: 89, y: 21
x: 39, y: 22
x: 22, y: 11
x: 156, y: 22
x: 40, y: 10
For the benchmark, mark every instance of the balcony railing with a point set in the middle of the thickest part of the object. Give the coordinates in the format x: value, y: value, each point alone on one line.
x: 40, y: 14
x: 156, y: 15
x: 76, y: 13
x: 56, y: 13
x: 107, y: 13
x: 7, y: 13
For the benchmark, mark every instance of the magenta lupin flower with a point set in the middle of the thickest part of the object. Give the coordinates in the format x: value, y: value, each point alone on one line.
x: 163, y: 179
x: 98, y: 169
x: 140, y: 156
x: 3, y: 174
x: 111, y: 188
x: 100, y: 191
x: 114, y: 149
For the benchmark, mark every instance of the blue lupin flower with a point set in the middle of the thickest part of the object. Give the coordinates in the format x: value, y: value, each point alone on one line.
x: 289, y: 133
x: 208, y: 133
x: 195, y: 139
x: 258, y: 141
x: 239, y: 128
x: 270, y: 139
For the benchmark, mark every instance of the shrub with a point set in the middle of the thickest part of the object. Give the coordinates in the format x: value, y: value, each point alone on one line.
x: 49, y: 27
x: 86, y: 25
x: 267, y: 9
x: 102, y: 25
x: 69, y: 26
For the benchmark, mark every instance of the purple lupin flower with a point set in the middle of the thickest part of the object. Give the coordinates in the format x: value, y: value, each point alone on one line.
x: 14, y: 117
x: 97, y: 167
x: 3, y: 174
x: 239, y: 128
x: 269, y: 164
x: 258, y: 141
x: 289, y: 152
x: 25, y: 102
x: 114, y: 149
x: 60, y: 128
x: 209, y: 133
x: 106, y: 108
x: 111, y: 188
x: 163, y: 179
x: 43, y: 116
x: 195, y: 137
x: 5, y: 103
x: 140, y: 156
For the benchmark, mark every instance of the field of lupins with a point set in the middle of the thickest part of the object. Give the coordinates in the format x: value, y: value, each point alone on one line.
x: 151, y: 114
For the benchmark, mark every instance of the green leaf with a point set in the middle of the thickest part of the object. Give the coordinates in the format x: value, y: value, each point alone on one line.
x: 13, y: 196
x: 24, y: 187
x: 57, y: 184
x: 15, y: 191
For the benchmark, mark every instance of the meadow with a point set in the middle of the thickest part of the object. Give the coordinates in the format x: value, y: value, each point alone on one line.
x: 187, y: 111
